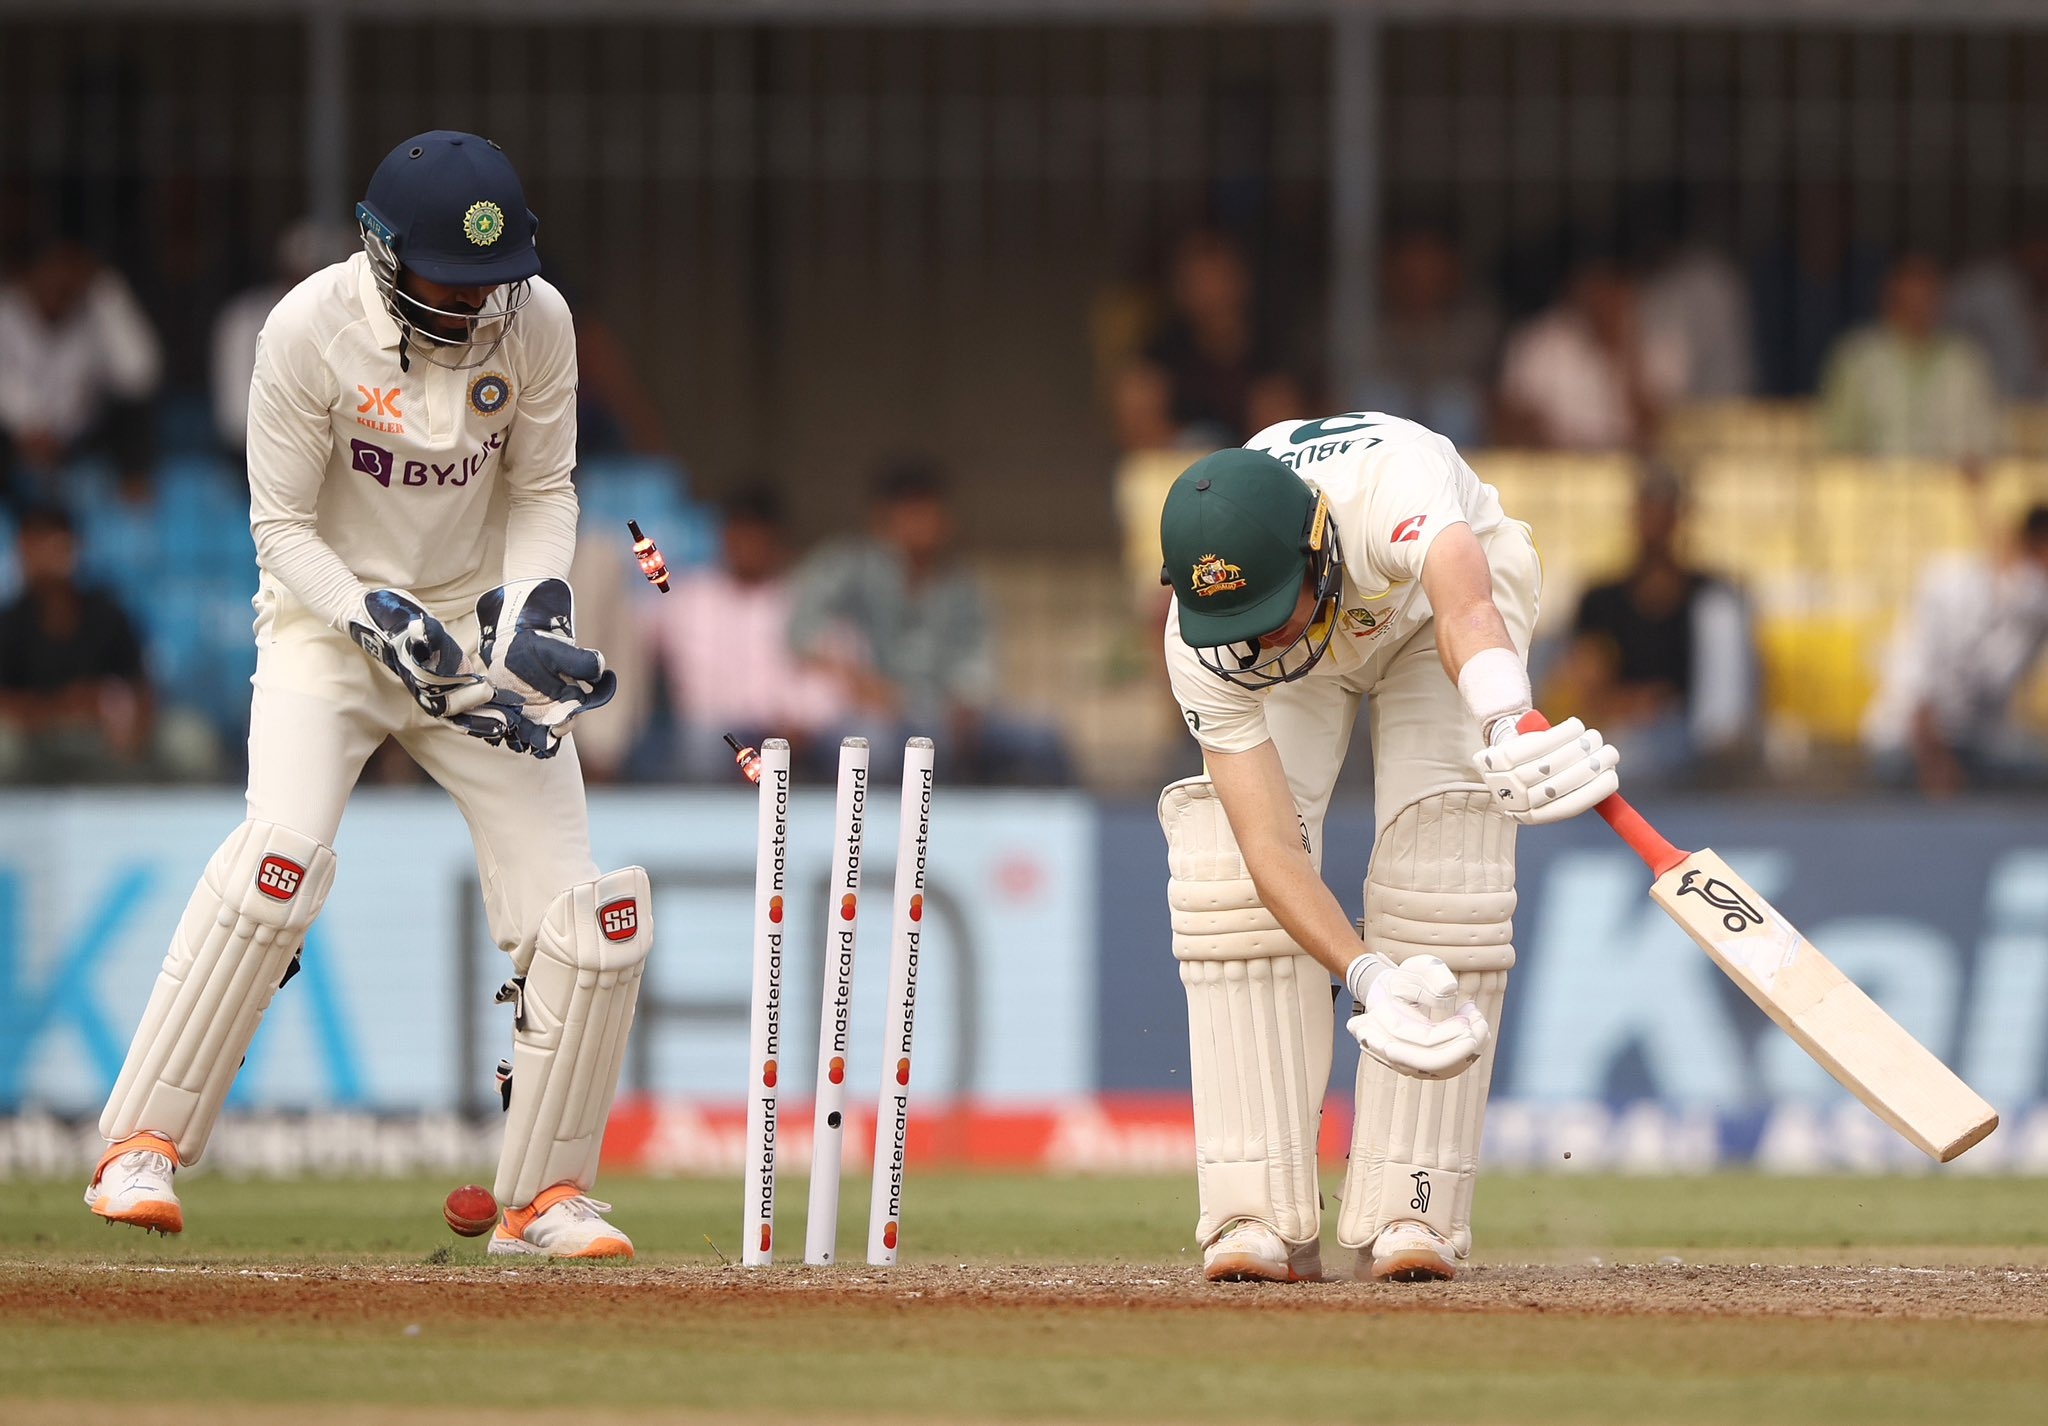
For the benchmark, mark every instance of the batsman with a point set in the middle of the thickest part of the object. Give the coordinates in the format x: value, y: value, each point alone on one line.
x: 412, y: 434
x: 1329, y: 563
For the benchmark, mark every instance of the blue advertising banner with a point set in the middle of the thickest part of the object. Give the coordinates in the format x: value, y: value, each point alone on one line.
x: 393, y: 1011
x: 1049, y: 980
x: 1621, y: 1037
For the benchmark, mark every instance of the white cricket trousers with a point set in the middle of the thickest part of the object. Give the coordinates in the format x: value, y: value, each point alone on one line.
x: 321, y: 707
x: 1423, y: 738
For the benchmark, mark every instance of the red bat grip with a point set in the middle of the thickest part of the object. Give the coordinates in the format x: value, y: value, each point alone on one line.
x: 1628, y: 824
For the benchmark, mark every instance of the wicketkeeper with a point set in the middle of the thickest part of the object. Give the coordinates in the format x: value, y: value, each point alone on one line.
x: 1324, y: 563
x: 412, y: 432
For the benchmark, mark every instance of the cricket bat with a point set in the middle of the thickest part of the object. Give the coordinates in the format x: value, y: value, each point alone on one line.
x: 1845, y: 1031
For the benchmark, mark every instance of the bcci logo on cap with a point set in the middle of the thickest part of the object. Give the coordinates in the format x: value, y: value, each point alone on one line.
x: 619, y: 920
x: 1214, y: 574
x: 278, y: 877
x: 483, y: 223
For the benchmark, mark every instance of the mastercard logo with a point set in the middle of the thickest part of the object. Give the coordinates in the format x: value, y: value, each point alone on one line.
x: 846, y: 907
x: 775, y: 909
x: 837, y: 1072
x: 903, y: 1071
x: 917, y: 908
x: 889, y: 1236
x: 768, y: 1073
x: 767, y: 1233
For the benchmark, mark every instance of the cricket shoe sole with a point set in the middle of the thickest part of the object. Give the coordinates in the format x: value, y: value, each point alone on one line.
x: 1248, y: 1251
x: 562, y: 1222
x: 1408, y: 1252
x: 132, y: 1185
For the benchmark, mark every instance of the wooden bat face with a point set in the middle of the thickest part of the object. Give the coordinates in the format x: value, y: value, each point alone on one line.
x: 1846, y: 1031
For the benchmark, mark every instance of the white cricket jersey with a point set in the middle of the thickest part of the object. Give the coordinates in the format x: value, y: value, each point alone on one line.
x: 366, y: 472
x: 1392, y: 488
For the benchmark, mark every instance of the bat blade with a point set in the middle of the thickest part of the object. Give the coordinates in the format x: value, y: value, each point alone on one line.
x: 1843, y: 1029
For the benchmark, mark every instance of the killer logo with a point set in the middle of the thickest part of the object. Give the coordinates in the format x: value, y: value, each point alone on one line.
x: 1740, y: 915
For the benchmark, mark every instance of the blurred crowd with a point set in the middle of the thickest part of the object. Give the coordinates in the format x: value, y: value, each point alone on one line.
x: 1895, y: 356
x: 124, y: 645
x: 124, y: 621
x: 1904, y: 356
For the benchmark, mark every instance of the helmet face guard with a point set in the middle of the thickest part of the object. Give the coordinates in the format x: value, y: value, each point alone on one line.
x: 482, y: 332
x: 1247, y: 664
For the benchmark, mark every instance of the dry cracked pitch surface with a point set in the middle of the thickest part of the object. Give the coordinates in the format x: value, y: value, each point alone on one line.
x: 1667, y: 1289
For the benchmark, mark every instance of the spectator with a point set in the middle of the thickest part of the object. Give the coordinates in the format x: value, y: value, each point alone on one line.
x: 74, y: 703
x: 1432, y: 352
x: 1902, y: 387
x: 1210, y: 376
x: 1662, y: 660
x: 78, y: 364
x: 900, y: 626
x: 722, y: 640
x: 1588, y: 374
x: 302, y: 250
x: 1975, y: 627
x: 2001, y: 303
x: 1809, y: 292
x: 1695, y: 299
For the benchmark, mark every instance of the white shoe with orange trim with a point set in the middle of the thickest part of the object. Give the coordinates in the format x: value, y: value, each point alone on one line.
x: 1407, y: 1251
x: 132, y: 1185
x: 1250, y: 1251
x: 563, y: 1222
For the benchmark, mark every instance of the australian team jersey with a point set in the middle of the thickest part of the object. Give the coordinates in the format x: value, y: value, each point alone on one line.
x: 1392, y: 488
x: 371, y: 472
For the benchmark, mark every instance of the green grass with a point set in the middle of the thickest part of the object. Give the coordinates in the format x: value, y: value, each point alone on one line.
x: 666, y: 1353
x: 1006, y: 1218
x: 1089, y: 1364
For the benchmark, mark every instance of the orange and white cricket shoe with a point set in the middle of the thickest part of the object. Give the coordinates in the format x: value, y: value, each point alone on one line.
x: 1249, y: 1251
x: 1407, y: 1251
x: 132, y: 1185
x: 562, y: 1222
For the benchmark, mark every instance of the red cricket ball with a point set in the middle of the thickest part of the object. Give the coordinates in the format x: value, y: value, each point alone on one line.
x: 471, y: 1211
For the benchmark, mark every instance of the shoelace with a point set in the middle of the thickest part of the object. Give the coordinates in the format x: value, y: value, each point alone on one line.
x: 137, y: 1166
x: 584, y: 1207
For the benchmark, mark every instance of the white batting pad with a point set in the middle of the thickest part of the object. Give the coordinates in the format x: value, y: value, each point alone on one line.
x: 1259, y: 1028
x: 245, y: 921
x: 1442, y: 883
x: 569, y: 1038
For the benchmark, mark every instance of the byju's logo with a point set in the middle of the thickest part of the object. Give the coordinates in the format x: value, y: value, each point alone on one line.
x: 373, y: 461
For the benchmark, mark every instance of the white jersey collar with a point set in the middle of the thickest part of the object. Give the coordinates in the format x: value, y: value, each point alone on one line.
x: 381, y: 326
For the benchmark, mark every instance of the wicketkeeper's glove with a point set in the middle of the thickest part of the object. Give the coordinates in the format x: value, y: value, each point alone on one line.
x: 542, y: 677
x: 394, y: 628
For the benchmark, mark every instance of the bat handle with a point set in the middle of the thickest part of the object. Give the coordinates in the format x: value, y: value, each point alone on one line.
x: 1628, y: 824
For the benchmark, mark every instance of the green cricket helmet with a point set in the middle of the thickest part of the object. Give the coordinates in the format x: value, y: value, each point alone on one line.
x: 1243, y: 535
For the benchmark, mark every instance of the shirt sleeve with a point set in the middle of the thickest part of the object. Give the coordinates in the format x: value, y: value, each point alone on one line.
x: 971, y: 672
x: 1414, y: 499
x: 291, y: 401
x: 821, y: 598
x: 540, y: 447
x: 1223, y: 717
x: 128, y: 344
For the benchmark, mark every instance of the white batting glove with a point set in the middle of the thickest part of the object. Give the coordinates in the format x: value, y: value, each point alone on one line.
x: 1412, y: 1022
x: 1549, y: 776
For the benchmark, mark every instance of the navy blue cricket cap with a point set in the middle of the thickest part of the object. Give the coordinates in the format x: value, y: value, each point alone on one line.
x: 453, y: 210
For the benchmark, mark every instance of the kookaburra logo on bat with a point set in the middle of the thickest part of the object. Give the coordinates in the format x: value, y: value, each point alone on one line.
x: 1718, y: 893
